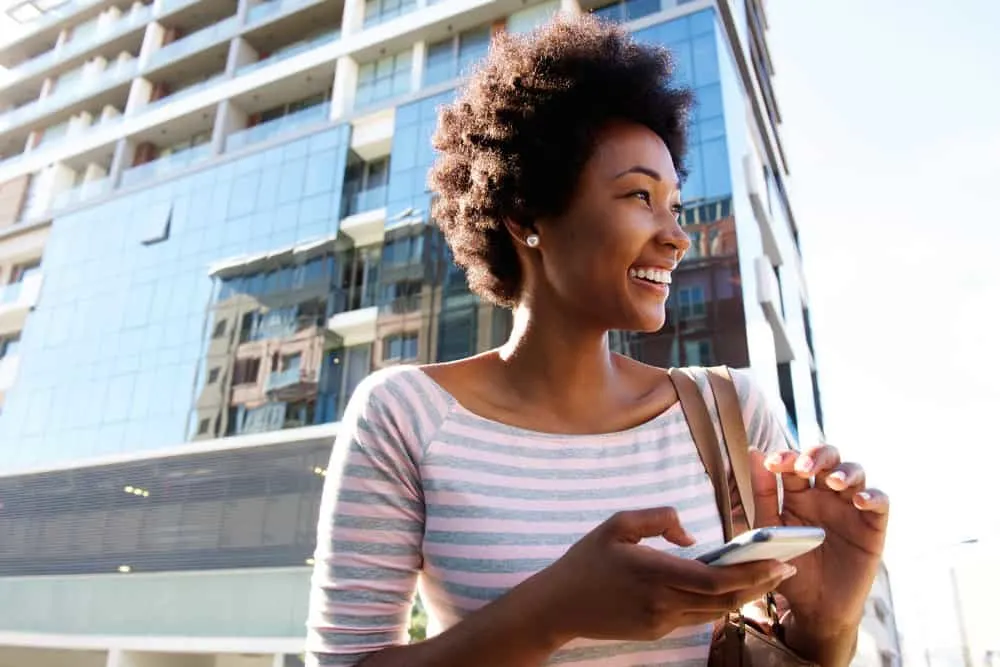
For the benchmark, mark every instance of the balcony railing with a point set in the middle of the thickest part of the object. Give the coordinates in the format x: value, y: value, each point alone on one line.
x: 366, y: 200
x: 401, y: 305
x: 289, y: 377
x: 272, y: 7
x: 23, y: 294
x: 172, y: 162
x: 52, y: 16
x: 294, y: 50
x: 91, y: 85
x: 191, y: 43
x: 179, y: 95
x: 8, y: 371
x: 354, y: 298
x: 314, y: 115
x: 104, y: 33
x: 81, y: 193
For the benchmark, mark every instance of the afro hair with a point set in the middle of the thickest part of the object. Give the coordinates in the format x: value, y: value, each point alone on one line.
x: 513, y: 143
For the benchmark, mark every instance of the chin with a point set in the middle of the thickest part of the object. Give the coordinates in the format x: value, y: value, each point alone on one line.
x: 646, y: 322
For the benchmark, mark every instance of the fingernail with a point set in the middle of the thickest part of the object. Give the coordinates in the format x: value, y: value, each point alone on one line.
x: 865, y: 496
x: 805, y: 464
x: 838, y: 476
x: 787, y: 571
x: 774, y: 459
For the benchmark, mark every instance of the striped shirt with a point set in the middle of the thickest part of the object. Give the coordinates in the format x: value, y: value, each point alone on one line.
x: 422, y: 493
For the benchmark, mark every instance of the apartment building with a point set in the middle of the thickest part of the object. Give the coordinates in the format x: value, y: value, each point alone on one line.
x: 214, y: 223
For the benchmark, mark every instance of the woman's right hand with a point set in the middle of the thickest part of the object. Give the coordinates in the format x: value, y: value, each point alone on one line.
x: 608, y: 586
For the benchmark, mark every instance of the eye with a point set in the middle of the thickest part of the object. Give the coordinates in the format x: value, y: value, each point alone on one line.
x: 678, y: 209
x: 643, y: 195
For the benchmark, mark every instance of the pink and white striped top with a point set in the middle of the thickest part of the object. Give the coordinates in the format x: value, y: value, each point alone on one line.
x: 421, y: 492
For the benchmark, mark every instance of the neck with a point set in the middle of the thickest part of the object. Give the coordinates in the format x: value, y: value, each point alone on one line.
x: 550, y: 359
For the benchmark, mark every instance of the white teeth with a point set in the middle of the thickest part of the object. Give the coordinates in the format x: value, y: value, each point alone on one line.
x: 661, y: 276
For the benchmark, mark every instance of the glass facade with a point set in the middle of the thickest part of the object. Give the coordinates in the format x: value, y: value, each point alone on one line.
x: 241, y: 300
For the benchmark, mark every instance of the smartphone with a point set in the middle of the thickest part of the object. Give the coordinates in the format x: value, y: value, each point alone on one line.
x: 779, y: 543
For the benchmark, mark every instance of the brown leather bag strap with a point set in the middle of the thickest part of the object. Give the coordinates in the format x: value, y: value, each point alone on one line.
x: 734, y: 432
x: 706, y: 442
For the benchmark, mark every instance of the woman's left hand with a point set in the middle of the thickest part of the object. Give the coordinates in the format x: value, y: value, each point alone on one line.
x: 828, y: 594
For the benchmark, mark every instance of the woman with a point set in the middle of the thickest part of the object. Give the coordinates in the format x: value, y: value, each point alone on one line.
x: 544, y: 493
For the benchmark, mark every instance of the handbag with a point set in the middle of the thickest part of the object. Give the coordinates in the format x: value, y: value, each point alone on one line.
x: 738, y: 640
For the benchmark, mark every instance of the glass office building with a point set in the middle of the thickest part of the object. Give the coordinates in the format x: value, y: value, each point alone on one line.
x: 214, y: 223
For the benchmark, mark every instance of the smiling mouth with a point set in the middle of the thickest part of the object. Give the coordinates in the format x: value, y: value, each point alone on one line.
x: 651, y: 275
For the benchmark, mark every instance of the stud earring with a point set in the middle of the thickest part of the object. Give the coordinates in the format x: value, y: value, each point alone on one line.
x: 532, y: 240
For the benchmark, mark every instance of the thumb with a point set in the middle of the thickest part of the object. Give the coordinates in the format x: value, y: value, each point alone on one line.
x: 765, y: 491
x: 632, y: 526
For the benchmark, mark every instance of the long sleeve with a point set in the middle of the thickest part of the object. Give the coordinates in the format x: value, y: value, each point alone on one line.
x: 370, y: 530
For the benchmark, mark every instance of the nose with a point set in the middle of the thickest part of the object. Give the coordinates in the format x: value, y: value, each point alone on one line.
x: 673, y: 235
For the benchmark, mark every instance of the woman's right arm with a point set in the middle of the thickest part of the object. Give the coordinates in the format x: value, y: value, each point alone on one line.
x: 368, y: 558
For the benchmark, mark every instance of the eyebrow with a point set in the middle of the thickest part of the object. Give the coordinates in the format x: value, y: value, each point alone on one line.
x: 652, y: 173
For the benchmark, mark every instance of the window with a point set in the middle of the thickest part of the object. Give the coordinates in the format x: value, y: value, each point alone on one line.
x: 9, y: 345
x: 220, y: 329
x: 384, y: 78
x: 403, y: 250
x: 529, y: 18
x: 213, y: 376
x: 400, y: 347
x: 379, y: 11
x: 401, y: 297
x: 156, y: 226
x: 365, y: 186
x: 452, y: 57
x: 246, y: 371
x: 691, y: 302
x: 627, y: 10
x: 21, y: 272
x: 203, y: 426
x: 697, y: 353
x: 457, y: 335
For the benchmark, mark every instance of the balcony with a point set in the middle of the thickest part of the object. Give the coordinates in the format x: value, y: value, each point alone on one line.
x: 757, y: 191
x: 171, y: 163
x: 353, y: 314
x: 16, y: 300
x: 8, y: 371
x: 270, y: 9
x: 51, y: 18
x: 115, y: 75
x: 363, y: 201
x: 365, y: 228
x: 193, y: 43
x: 309, y: 117
x: 81, y: 193
x: 135, y: 19
x: 402, y: 305
x: 289, y: 52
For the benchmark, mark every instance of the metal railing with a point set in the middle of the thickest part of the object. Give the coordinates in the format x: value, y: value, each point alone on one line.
x: 314, y: 115
x: 78, y: 45
x: 89, y: 86
x: 173, y: 162
x: 190, y: 43
x: 366, y: 200
x: 293, y: 50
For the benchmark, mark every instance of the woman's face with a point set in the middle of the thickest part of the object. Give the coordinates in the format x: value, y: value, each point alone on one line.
x: 607, y: 259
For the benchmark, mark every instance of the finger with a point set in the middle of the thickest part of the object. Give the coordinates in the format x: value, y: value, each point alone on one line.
x: 847, y: 478
x: 872, y: 500
x: 765, y: 491
x: 783, y: 464
x: 817, y: 460
x: 632, y: 526
x: 733, y: 600
x: 693, y: 576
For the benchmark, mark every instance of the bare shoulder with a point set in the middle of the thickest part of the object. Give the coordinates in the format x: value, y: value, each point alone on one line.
x: 464, y: 376
x: 648, y: 380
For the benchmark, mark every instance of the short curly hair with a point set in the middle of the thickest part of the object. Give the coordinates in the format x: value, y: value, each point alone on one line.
x: 514, y: 142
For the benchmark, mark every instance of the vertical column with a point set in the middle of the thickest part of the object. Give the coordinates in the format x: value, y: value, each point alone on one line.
x: 122, y: 160
x: 345, y: 84
x: 419, y: 61
x: 152, y: 41
x: 139, y: 95
x: 228, y: 119
x: 240, y: 53
x: 242, y: 9
x: 353, y: 19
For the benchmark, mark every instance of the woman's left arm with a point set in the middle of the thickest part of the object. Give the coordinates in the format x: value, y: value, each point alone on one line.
x: 827, y: 596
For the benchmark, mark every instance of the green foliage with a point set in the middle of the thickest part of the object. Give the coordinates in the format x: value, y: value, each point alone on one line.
x: 418, y: 621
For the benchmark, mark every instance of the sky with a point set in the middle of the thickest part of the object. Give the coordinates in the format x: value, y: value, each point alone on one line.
x: 892, y: 128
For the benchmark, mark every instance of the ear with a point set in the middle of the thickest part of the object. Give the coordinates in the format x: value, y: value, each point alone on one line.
x: 519, y: 232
